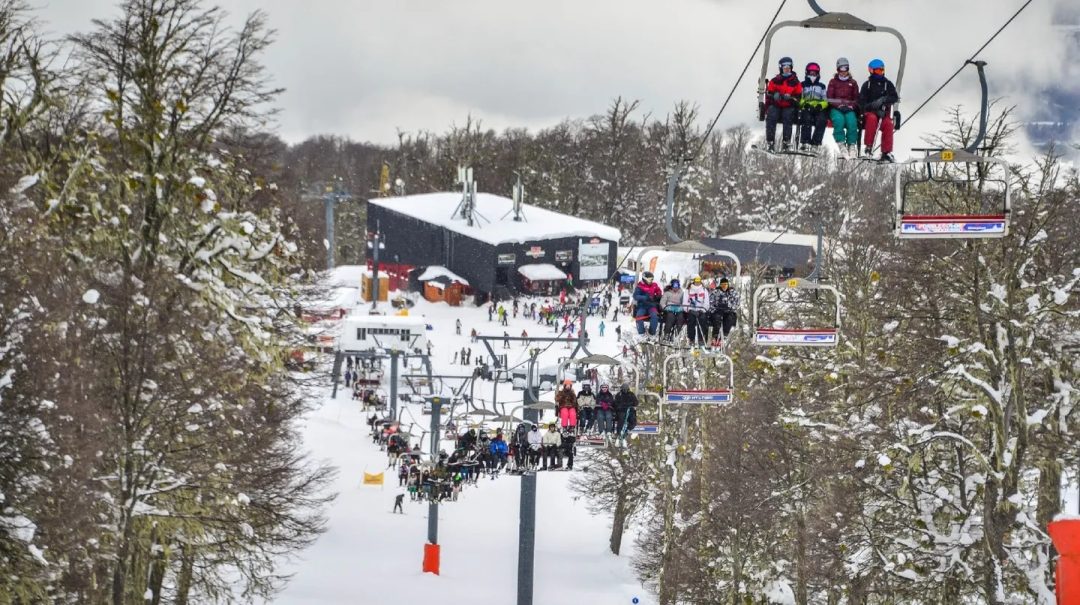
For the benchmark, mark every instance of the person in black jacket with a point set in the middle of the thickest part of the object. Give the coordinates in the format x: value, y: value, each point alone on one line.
x: 625, y: 411
x: 876, y: 98
x: 725, y: 307
x: 569, y: 448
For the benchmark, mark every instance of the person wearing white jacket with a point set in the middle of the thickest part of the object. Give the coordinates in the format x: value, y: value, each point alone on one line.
x: 535, y: 440
x: 696, y: 308
x: 552, y: 448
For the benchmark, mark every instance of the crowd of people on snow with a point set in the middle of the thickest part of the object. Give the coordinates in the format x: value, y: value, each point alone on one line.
x: 813, y: 104
x: 705, y: 313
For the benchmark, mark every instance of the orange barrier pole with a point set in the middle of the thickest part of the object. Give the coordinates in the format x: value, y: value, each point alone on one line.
x: 431, y: 558
x: 1066, y: 537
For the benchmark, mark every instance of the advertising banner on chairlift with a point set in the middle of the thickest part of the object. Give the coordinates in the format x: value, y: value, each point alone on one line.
x: 697, y: 397
x: 592, y: 261
x: 808, y: 338
x: 646, y: 428
x: 948, y: 226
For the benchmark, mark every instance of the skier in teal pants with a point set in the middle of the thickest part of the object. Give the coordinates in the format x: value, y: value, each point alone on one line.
x: 843, y: 93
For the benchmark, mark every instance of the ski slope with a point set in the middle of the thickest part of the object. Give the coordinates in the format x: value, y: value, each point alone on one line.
x: 371, y: 556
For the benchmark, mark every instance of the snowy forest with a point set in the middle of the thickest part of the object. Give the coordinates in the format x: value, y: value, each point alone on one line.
x: 156, y: 238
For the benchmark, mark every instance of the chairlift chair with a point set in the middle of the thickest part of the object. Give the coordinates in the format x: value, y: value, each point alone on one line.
x: 721, y: 396
x: 982, y: 216
x: 815, y: 336
x: 830, y: 21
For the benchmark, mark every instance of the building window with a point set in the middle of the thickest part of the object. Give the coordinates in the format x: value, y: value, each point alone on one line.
x: 361, y: 334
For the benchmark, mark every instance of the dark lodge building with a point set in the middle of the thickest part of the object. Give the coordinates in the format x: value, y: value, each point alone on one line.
x: 782, y: 255
x: 478, y: 238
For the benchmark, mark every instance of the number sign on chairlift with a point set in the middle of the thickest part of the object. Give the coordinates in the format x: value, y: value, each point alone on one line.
x: 814, y: 336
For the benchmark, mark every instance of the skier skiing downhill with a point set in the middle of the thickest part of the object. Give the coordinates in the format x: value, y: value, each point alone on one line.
x: 696, y: 305
x: 646, y: 297
x: 876, y: 98
x: 843, y: 93
x: 781, y: 101
x: 813, y: 110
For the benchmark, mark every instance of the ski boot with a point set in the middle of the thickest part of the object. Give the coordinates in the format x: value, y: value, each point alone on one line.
x: 887, y: 158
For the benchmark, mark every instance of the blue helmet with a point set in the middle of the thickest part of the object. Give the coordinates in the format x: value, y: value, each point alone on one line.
x: 877, y: 64
x: 674, y: 283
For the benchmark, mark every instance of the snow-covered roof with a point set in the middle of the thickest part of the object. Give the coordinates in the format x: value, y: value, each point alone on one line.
x: 346, y: 275
x: 497, y: 225
x: 436, y: 271
x: 541, y: 272
x: 771, y: 237
x: 336, y: 298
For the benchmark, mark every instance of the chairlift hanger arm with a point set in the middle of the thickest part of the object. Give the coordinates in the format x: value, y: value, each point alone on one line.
x: 833, y: 21
x: 984, y: 107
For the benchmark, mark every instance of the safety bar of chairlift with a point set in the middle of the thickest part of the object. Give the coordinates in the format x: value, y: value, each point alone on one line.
x: 697, y: 354
x: 565, y: 364
x: 716, y: 251
x: 835, y: 21
x: 799, y: 284
x: 952, y: 156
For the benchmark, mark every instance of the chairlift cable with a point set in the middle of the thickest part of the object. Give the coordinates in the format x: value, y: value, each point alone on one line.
x: 738, y: 81
x: 971, y: 60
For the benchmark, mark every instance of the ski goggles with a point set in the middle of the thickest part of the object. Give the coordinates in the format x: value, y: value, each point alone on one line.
x: 878, y: 71
x: 843, y: 69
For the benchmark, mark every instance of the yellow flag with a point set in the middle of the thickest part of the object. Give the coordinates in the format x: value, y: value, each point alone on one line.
x: 370, y: 479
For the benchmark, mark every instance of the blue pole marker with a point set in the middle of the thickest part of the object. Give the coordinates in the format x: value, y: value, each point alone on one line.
x: 635, y: 600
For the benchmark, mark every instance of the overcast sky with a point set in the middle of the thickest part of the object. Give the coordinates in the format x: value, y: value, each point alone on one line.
x: 367, y: 68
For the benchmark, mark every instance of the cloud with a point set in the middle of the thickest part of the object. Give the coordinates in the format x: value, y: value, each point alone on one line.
x: 368, y: 68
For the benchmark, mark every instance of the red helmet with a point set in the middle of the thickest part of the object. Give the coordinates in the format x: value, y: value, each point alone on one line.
x: 813, y: 67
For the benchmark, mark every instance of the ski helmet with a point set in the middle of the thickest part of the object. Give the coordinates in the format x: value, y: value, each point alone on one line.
x: 674, y: 283
x: 877, y: 64
x: 813, y: 67
x: 724, y: 280
x: 647, y: 275
x: 696, y: 279
x: 842, y: 62
x: 786, y: 62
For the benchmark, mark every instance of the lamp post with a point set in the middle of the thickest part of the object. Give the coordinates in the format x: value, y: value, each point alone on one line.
x: 375, y: 244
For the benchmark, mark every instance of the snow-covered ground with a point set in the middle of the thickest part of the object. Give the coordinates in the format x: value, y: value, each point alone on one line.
x: 369, y: 555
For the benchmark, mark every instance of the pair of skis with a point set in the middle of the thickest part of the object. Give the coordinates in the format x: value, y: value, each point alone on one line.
x: 861, y: 158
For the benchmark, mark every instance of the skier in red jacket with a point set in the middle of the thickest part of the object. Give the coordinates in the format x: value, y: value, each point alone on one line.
x: 781, y: 102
